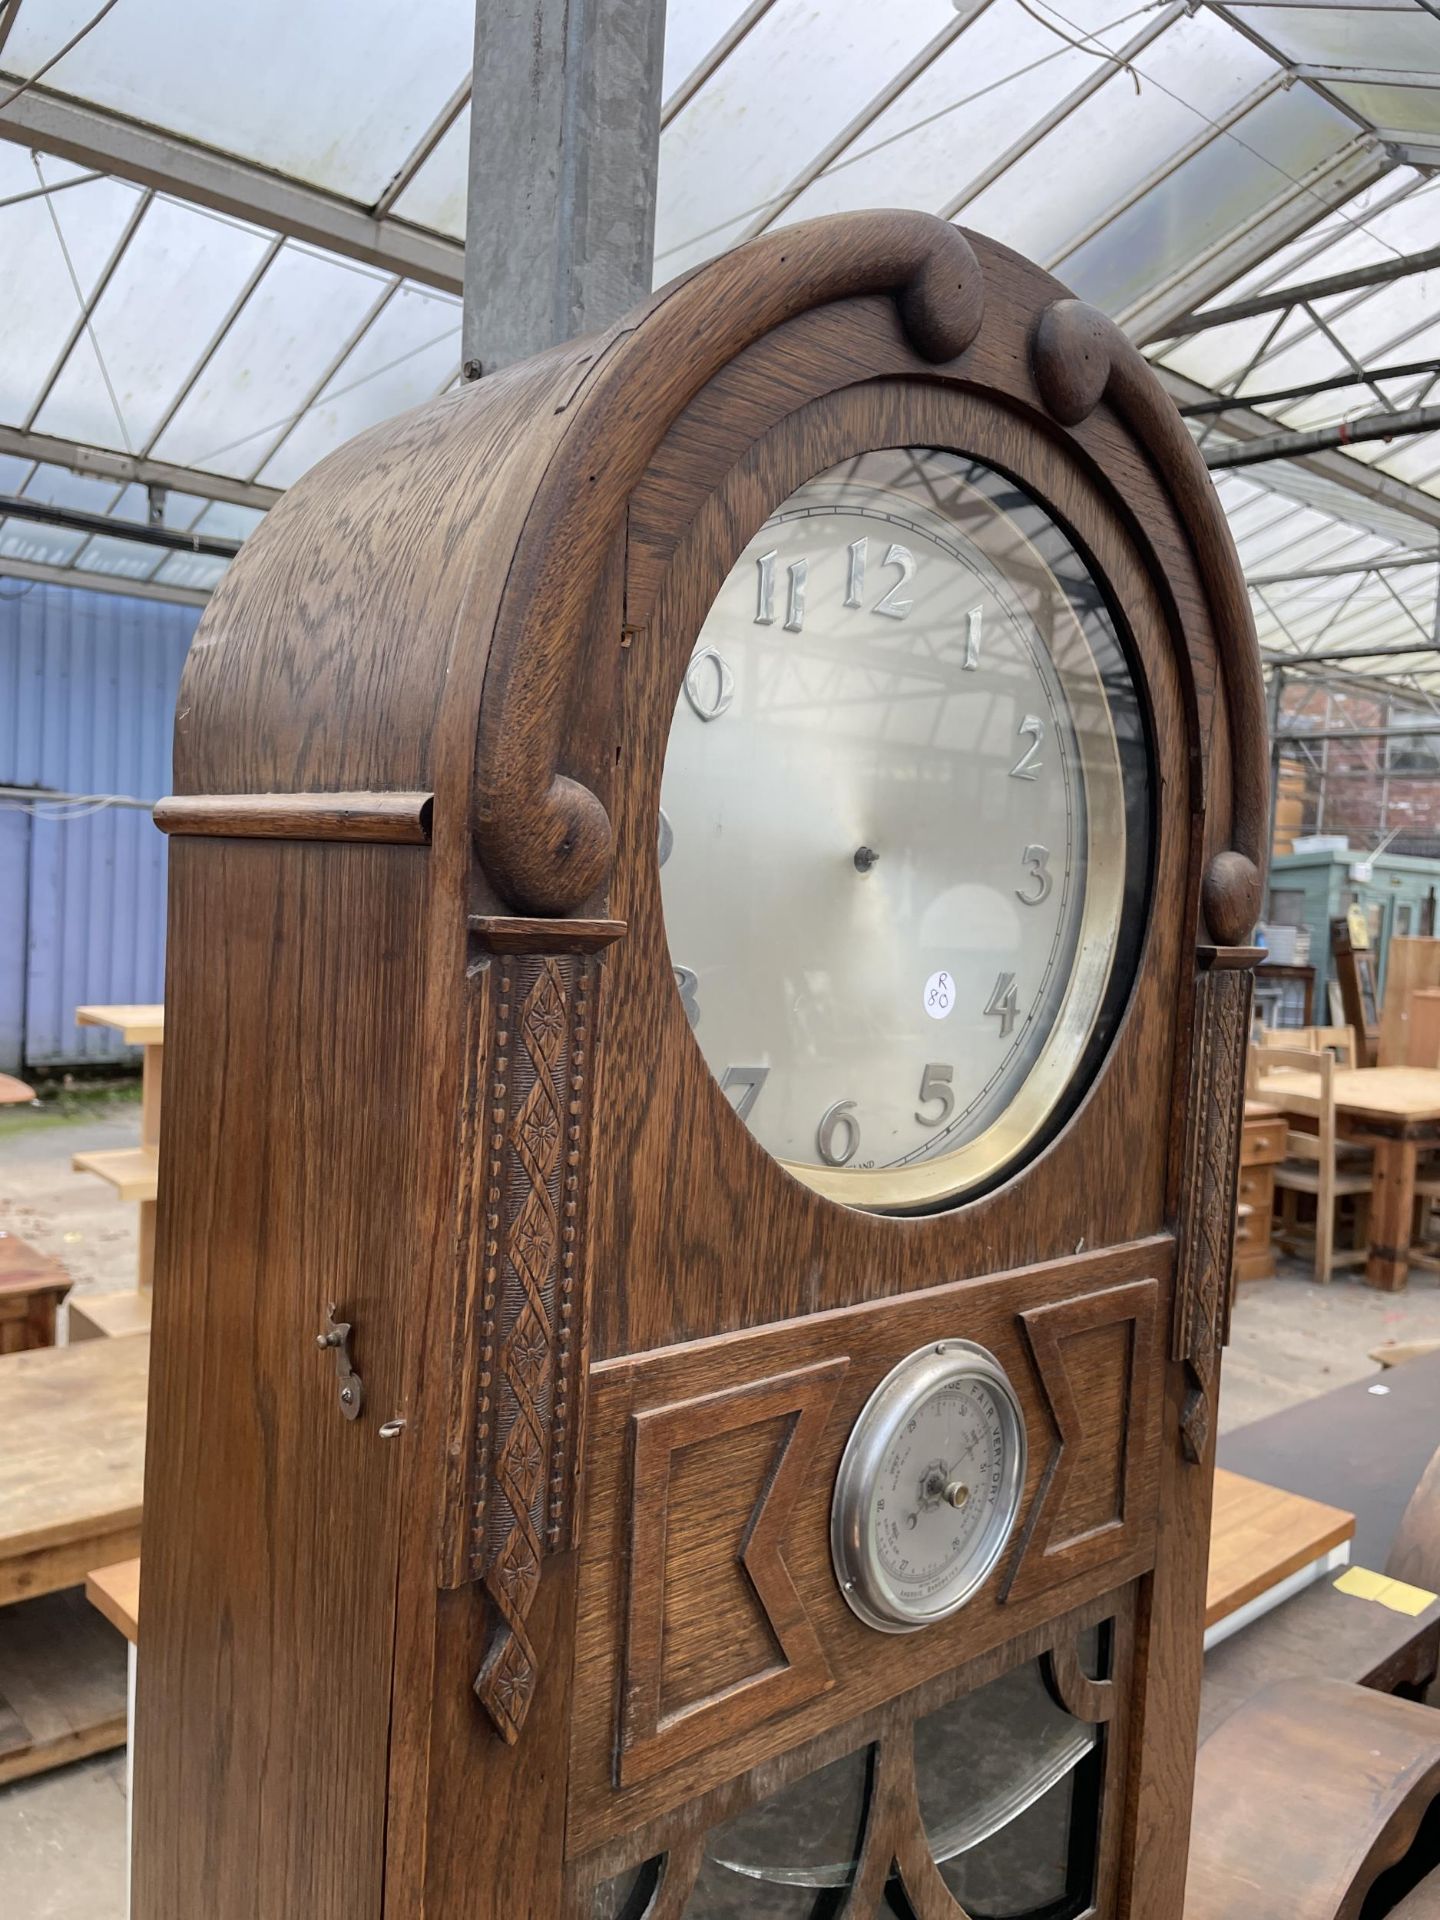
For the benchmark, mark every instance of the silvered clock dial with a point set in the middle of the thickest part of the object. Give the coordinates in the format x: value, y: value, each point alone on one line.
x: 904, y: 829
x: 928, y: 1488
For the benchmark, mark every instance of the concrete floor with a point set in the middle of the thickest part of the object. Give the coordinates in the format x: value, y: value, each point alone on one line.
x: 62, y: 1837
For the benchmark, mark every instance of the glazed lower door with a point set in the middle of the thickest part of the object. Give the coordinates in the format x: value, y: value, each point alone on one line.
x: 995, y: 1804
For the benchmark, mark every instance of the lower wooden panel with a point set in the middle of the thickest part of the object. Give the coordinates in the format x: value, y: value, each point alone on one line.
x: 1078, y: 1341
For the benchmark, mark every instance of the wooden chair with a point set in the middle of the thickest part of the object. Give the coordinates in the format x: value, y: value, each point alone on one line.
x: 1339, y: 1041
x: 1315, y: 1164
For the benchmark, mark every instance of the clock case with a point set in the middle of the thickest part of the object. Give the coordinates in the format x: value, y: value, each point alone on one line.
x: 430, y: 1083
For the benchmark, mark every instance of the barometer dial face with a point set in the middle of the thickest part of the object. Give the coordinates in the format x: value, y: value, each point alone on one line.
x: 904, y: 829
x: 929, y: 1487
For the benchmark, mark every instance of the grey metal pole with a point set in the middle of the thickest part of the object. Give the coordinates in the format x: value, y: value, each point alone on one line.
x: 564, y: 149
x: 1347, y: 433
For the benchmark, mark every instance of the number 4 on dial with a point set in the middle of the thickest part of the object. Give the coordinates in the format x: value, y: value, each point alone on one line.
x: 1005, y: 1002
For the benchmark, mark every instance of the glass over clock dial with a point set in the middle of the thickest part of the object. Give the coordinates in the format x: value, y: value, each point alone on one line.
x: 904, y: 829
x: 929, y: 1487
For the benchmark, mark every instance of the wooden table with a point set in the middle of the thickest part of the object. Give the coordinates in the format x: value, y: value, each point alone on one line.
x: 132, y: 1171
x: 71, y: 1476
x: 1264, y: 1541
x: 1393, y: 1110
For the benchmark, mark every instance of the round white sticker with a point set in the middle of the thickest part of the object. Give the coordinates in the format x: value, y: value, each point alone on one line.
x: 939, y: 995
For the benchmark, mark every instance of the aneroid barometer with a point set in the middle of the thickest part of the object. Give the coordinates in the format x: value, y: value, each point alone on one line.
x: 729, y: 854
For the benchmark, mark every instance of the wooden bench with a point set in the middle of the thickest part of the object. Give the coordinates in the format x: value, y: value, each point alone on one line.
x: 71, y: 1477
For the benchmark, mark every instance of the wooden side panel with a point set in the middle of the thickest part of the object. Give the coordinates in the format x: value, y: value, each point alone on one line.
x: 293, y: 1174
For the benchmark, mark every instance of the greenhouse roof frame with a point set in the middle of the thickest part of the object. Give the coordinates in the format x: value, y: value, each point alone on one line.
x: 239, y: 279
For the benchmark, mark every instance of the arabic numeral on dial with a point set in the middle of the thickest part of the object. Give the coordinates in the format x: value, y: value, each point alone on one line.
x: 1027, y: 767
x: 855, y: 575
x: 892, y: 606
x: 1004, y: 1002
x: 688, y: 981
x: 935, y: 1084
x: 973, y: 620
x: 837, y: 1119
x: 1036, y: 861
x: 747, y: 1081
x: 797, y: 573
x: 709, y: 684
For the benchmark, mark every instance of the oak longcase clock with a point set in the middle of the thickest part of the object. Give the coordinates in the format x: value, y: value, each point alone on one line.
x: 709, y: 971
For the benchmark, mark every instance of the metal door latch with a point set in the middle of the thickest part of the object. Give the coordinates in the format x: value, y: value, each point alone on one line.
x: 352, y: 1387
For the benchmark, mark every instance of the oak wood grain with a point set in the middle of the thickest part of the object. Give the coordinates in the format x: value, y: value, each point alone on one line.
x: 400, y: 818
x: 1287, y: 1823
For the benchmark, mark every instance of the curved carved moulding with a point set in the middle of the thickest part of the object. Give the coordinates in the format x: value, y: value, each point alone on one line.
x: 544, y: 838
x: 1079, y: 358
x: 1070, y: 1687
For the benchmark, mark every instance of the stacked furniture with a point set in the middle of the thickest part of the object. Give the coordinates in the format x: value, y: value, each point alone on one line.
x: 132, y: 1171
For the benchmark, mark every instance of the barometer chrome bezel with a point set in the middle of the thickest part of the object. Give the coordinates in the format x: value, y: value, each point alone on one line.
x: 907, y: 1386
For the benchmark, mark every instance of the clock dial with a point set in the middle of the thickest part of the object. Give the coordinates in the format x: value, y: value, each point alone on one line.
x: 929, y: 1486
x: 904, y: 821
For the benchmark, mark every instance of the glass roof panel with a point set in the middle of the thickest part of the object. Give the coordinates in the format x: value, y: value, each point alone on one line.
x: 1215, y: 357
x: 200, y: 570
x: 40, y: 305
x: 227, y: 520
x: 299, y: 317
x: 1230, y: 180
x: 335, y: 92
x: 405, y: 358
x: 1004, y: 73
x: 1415, y: 459
x: 33, y: 540
x: 1348, y: 36
x: 58, y: 487
x: 174, y: 285
x: 1387, y: 324
x: 799, y: 77
x: 126, y: 559
x: 13, y: 471
x: 1103, y: 150
x: 1397, y: 109
x: 1302, y: 258
x: 436, y: 196
x: 692, y: 29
